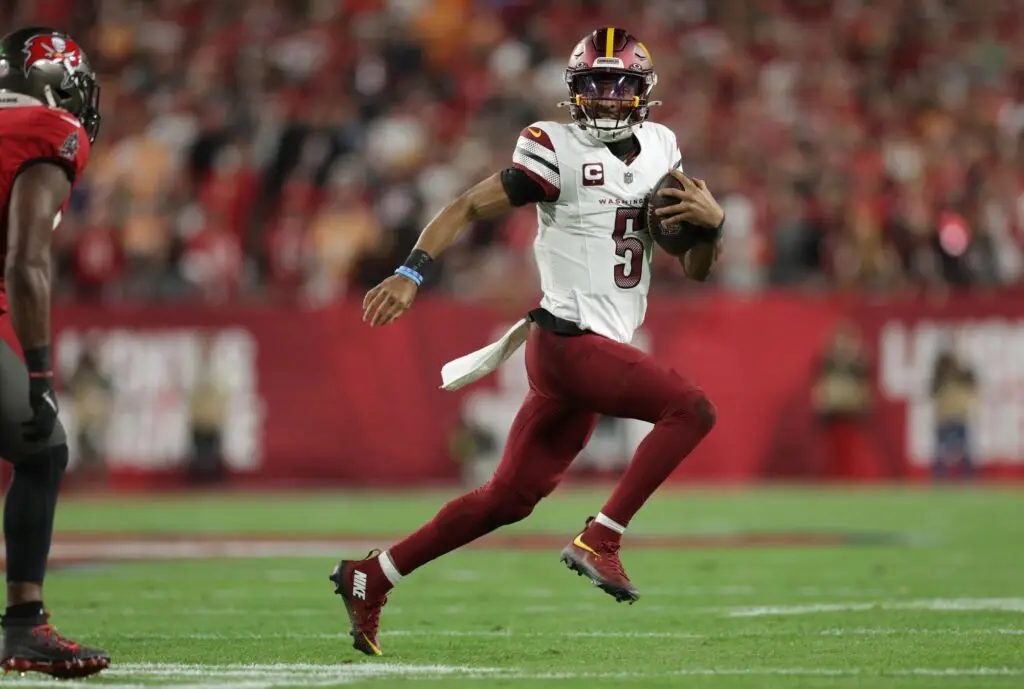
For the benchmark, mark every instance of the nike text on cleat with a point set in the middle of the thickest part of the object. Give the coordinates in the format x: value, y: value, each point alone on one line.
x: 359, y: 585
x: 600, y: 563
x: 362, y: 603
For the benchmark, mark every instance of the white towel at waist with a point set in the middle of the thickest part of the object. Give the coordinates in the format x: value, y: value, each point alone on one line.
x: 475, y: 365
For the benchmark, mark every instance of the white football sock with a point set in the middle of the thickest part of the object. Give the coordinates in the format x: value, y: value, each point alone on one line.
x: 388, y: 567
x: 609, y: 523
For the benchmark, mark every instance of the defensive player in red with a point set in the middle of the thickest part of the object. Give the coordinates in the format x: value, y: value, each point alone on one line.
x: 49, y: 117
x: 590, y: 179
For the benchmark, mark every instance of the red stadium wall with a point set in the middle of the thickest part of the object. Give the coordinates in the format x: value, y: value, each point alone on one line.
x: 318, y: 398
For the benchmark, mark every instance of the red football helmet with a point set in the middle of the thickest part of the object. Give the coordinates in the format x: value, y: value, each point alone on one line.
x: 610, y: 78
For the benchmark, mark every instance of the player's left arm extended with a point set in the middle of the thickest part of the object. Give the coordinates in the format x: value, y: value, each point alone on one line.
x: 388, y: 300
x: 37, y: 197
x: 487, y: 199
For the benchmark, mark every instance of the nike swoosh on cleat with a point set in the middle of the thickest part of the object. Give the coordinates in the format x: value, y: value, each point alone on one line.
x: 536, y: 132
x: 373, y: 646
x: 578, y: 542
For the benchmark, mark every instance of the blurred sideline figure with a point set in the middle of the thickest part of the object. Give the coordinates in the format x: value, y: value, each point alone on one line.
x: 954, y: 394
x: 92, y: 393
x: 207, y: 415
x: 842, y: 401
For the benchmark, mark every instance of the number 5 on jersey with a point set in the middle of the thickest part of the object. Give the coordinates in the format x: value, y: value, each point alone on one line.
x: 628, y: 221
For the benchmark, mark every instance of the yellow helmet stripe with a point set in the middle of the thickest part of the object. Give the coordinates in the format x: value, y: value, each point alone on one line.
x: 649, y: 56
x: 609, y: 42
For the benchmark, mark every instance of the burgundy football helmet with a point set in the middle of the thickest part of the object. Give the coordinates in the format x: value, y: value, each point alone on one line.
x: 610, y: 78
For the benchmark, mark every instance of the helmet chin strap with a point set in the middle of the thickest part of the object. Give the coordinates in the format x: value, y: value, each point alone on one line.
x: 50, y: 99
x: 602, y: 135
x: 609, y: 135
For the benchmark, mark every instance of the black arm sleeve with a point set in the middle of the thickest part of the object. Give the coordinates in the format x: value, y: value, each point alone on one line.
x: 521, y: 189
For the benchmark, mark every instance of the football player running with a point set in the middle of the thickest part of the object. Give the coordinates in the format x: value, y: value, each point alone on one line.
x: 49, y: 117
x: 590, y: 179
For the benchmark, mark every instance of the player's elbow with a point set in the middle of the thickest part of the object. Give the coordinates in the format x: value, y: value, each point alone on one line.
x: 26, y: 283
x: 26, y: 256
x: 469, y: 208
x: 25, y: 271
x: 486, y: 200
x: 26, y: 260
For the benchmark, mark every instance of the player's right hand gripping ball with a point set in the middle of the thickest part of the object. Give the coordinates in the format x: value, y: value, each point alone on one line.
x: 677, y: 238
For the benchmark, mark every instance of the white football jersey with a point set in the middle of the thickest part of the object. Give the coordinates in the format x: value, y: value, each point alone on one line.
x: 593, y: 249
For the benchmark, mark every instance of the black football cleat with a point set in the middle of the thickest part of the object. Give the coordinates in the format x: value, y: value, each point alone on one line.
x: 33, y: 645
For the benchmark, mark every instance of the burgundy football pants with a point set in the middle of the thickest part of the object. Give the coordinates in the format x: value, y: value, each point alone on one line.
x: 572, y: 381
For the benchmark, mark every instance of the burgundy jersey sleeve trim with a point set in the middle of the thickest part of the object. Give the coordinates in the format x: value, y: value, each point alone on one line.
x: 539, y: 136
x: 535, y: 155
x: 551, y: 192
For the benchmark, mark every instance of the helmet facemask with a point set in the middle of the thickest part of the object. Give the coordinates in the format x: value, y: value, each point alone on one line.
x: 89, y: 108
x: 78, y: 94
x: 609, y: 103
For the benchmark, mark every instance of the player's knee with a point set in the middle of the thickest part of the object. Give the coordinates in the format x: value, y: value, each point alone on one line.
x: 50, y: 463
x: 705, y: 413
x: 507, y: 504
x: 21, y: 453
x: 59, y: 437
x: 696, y: 408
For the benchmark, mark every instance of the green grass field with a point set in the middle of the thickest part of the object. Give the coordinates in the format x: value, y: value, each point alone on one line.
x: 914, y: 589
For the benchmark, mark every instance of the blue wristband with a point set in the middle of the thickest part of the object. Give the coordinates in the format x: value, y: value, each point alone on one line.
x: 407, y: 272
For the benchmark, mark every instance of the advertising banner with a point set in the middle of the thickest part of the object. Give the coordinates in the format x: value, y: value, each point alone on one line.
x: 315, y: 397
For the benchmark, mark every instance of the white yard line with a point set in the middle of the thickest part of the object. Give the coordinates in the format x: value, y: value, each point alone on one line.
x: 162, y: 547
x: 930, y: 604
x: 271, y: 676
x: 182, y: 676
x: 877, y: 631
x: 789, y: 672
x: 58, y: 684
x: 525, y: 595
x: 144, y: 550
x: 501, y: 634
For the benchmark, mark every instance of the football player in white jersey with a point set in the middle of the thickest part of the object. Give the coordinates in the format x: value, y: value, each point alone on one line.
x: 589, y: 179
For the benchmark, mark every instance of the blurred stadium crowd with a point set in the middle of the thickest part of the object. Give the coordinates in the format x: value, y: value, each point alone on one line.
x: 282, y: 149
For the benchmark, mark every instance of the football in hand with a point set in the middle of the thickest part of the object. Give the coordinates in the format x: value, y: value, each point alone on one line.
x: 678, y: 238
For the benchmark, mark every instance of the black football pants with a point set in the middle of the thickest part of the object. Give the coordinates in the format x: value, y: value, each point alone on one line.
x: 38, y: 469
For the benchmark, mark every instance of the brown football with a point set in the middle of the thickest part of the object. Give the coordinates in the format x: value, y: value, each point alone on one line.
x: 678, y: 238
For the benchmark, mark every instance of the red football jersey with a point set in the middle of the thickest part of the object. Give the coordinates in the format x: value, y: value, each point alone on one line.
x: 29, y: 134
